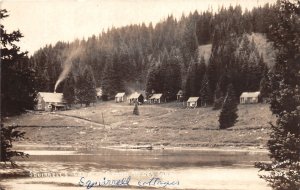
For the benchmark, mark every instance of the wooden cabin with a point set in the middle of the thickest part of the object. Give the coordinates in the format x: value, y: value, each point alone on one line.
x: 250, y: 98
x: 99, y: 93
x: 48, y: 101
x: 192, y: 102
x: 180, y: 96
x: 156, y: 99
x: 120, y: 97
x: 136, y: 97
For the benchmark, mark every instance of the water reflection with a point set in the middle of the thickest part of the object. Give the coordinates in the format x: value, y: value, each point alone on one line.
x: 152, y: 158
x: 195, y: 169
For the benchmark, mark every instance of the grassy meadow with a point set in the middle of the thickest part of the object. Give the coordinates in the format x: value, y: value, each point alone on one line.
x: 165, y: 125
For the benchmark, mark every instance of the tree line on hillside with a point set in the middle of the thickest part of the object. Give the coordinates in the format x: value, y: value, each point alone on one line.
x: 164, y: 58
x: 235, y: 62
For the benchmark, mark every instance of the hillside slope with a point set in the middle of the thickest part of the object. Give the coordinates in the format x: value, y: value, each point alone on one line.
x: 166, y: 124
x: 263, y: 45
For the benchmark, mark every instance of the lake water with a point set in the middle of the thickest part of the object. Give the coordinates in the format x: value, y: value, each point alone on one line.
x: 64, y: 168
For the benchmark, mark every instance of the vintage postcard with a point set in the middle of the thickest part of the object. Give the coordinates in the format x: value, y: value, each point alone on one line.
x: 150, y: 94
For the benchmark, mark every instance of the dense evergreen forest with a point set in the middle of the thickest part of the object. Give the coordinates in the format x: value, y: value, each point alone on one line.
x: 165, y: 58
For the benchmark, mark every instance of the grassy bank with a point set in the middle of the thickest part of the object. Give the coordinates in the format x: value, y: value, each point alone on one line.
x: 109, y: 123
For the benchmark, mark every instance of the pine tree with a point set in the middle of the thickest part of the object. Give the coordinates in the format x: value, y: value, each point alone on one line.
x: 7, y: 136
x: 79, y: 91
x: 69, y: 90
x: 205, y: 92
x: 190, y: 41
x: 284, y: 143
x: 172, y: 82
x: 203, y: 28
x: 262, y: 66
x: 190, y: 80
x: 86, y: 87
x: 112, y: 77
x: 17, y: 77
x: 151, y: 80
x: 162, y: 68
x: 218, y: 98
x: 260, y: 73
x: 109, y: 81
x: 265, y: 85
x: 200, y: 71
x: 228, y: 116
x: 89, y: 89
x: 213, y: 71
x: 223, y: 82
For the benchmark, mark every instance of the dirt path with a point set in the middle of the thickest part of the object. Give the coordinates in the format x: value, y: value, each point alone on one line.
x: 107, y: 124
x: 86, y: 121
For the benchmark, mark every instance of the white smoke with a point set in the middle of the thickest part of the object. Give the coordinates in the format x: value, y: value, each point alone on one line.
x: 67, y: 67
x: 132, y: 87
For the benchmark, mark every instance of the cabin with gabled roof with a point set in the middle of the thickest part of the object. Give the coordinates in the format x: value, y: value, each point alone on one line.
x: 156, y: 99
x: 99, y: 93
x: 120, y: 97
x: 192, y: 102
x: 250, y: 98
x: 48, y: 101
x: 179, y: 96
x: 136, y: 97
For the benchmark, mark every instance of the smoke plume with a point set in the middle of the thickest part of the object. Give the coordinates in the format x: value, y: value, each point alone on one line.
x: 132, y: 87
x: 67, y: 65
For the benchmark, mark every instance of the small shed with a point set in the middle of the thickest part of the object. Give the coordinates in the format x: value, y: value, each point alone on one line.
x: 156, y: 98
x: 250, y: 98
x: 136, y: 97
x: 48, y: 101
x: 179, y: 95
x: 192, y: 102
x: 120, y: 97
x: 99, y: 92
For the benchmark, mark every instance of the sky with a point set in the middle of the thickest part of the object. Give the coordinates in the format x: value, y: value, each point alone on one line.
x: 45, y: 22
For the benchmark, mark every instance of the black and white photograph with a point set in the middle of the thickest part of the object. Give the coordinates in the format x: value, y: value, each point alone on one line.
x: 150, y: 94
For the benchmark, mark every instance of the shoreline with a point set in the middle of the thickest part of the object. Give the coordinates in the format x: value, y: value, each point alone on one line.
x: 129, y: 147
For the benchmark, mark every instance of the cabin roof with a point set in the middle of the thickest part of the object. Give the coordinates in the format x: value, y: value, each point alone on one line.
x: 99, y: 91
x: 120, y: 95
x: 193, y: 99
x: 52, y: 97
x: 135, y: 95
x: 180, y: 92
x: 250, y: 94
x: 156, y: 96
